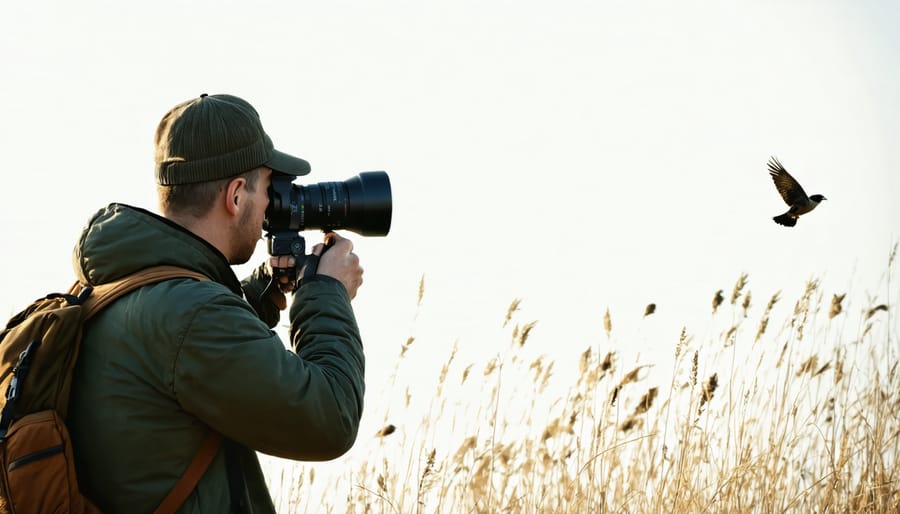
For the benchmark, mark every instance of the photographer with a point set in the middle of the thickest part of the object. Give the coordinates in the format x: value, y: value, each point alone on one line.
x: 167, y: 364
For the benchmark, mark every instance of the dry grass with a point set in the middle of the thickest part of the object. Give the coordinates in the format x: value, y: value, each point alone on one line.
x: 800, y: 418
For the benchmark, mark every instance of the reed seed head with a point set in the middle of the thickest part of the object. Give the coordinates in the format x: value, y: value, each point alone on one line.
x: 717, y: 300
x: 836, y: 305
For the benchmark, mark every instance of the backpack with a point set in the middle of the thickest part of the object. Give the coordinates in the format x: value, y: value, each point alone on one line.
x: 38, y: 351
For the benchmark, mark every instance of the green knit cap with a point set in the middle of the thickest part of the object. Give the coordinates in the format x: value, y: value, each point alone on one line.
x: 215, y: 137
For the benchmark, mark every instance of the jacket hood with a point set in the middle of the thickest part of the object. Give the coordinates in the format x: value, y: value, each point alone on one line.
x: 120, y: 240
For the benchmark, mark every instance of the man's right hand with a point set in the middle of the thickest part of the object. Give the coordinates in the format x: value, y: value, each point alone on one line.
x: 339, y: 262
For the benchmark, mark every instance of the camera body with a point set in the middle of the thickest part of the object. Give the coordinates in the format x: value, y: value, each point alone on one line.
x: 361, y: 204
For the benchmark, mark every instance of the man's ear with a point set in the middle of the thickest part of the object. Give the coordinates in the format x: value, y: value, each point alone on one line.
x: 234, y: 195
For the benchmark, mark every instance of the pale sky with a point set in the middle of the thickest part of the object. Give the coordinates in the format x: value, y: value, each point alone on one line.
x: 578, y: 155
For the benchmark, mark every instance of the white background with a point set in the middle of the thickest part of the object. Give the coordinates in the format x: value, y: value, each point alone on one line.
x: 579, y: 155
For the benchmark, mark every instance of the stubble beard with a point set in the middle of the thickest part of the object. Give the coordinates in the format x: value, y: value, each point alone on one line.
x: 247, y: 235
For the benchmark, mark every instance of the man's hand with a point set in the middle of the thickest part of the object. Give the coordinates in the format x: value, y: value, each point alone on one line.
x: 339, y: 262
x: 284, y: 283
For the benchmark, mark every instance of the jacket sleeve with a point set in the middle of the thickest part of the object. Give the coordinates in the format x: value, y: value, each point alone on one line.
x: 254, y: 286
x: 236, y: 375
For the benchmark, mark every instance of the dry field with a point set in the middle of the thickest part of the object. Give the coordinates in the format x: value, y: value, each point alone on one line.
x: 800, y: 414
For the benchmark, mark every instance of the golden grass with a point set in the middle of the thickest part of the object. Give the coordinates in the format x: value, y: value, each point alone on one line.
x: 801, y: 418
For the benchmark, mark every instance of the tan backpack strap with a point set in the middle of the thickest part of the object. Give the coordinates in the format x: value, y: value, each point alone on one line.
x: 101, y: 297
x: 191, y: 477
x: 104, y: 294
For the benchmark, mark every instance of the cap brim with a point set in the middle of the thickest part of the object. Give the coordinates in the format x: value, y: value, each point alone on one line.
x: 287, y: 164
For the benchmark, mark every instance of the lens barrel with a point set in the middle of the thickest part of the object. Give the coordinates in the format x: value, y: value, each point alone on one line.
x: 361, y: 204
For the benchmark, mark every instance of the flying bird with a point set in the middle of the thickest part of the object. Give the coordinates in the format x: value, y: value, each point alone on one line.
x: 793, y: 195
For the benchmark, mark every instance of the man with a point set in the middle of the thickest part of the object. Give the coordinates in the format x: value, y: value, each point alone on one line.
x: 164, y: 365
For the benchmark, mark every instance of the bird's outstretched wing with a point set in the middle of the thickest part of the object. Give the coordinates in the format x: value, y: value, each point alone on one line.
x: 787, y: 186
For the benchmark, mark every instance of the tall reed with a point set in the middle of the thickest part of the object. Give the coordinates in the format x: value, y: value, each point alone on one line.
x: 751, y: 417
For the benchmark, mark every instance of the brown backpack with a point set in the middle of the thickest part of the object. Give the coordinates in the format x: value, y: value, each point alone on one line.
x: 38, y: 351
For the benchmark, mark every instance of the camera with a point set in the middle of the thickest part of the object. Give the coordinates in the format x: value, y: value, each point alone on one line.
x: 361, y: 204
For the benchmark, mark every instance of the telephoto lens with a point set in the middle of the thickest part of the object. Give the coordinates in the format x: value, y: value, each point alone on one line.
x: 361, y: 204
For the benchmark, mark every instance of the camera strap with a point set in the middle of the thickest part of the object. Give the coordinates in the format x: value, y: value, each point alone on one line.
x: 312, y: 264
x: 312, y: 260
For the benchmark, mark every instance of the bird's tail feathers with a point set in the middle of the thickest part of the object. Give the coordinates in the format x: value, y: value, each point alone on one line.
x: 786, y: 220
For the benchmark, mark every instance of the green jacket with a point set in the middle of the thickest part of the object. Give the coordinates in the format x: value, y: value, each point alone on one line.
x: 164, y: 365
